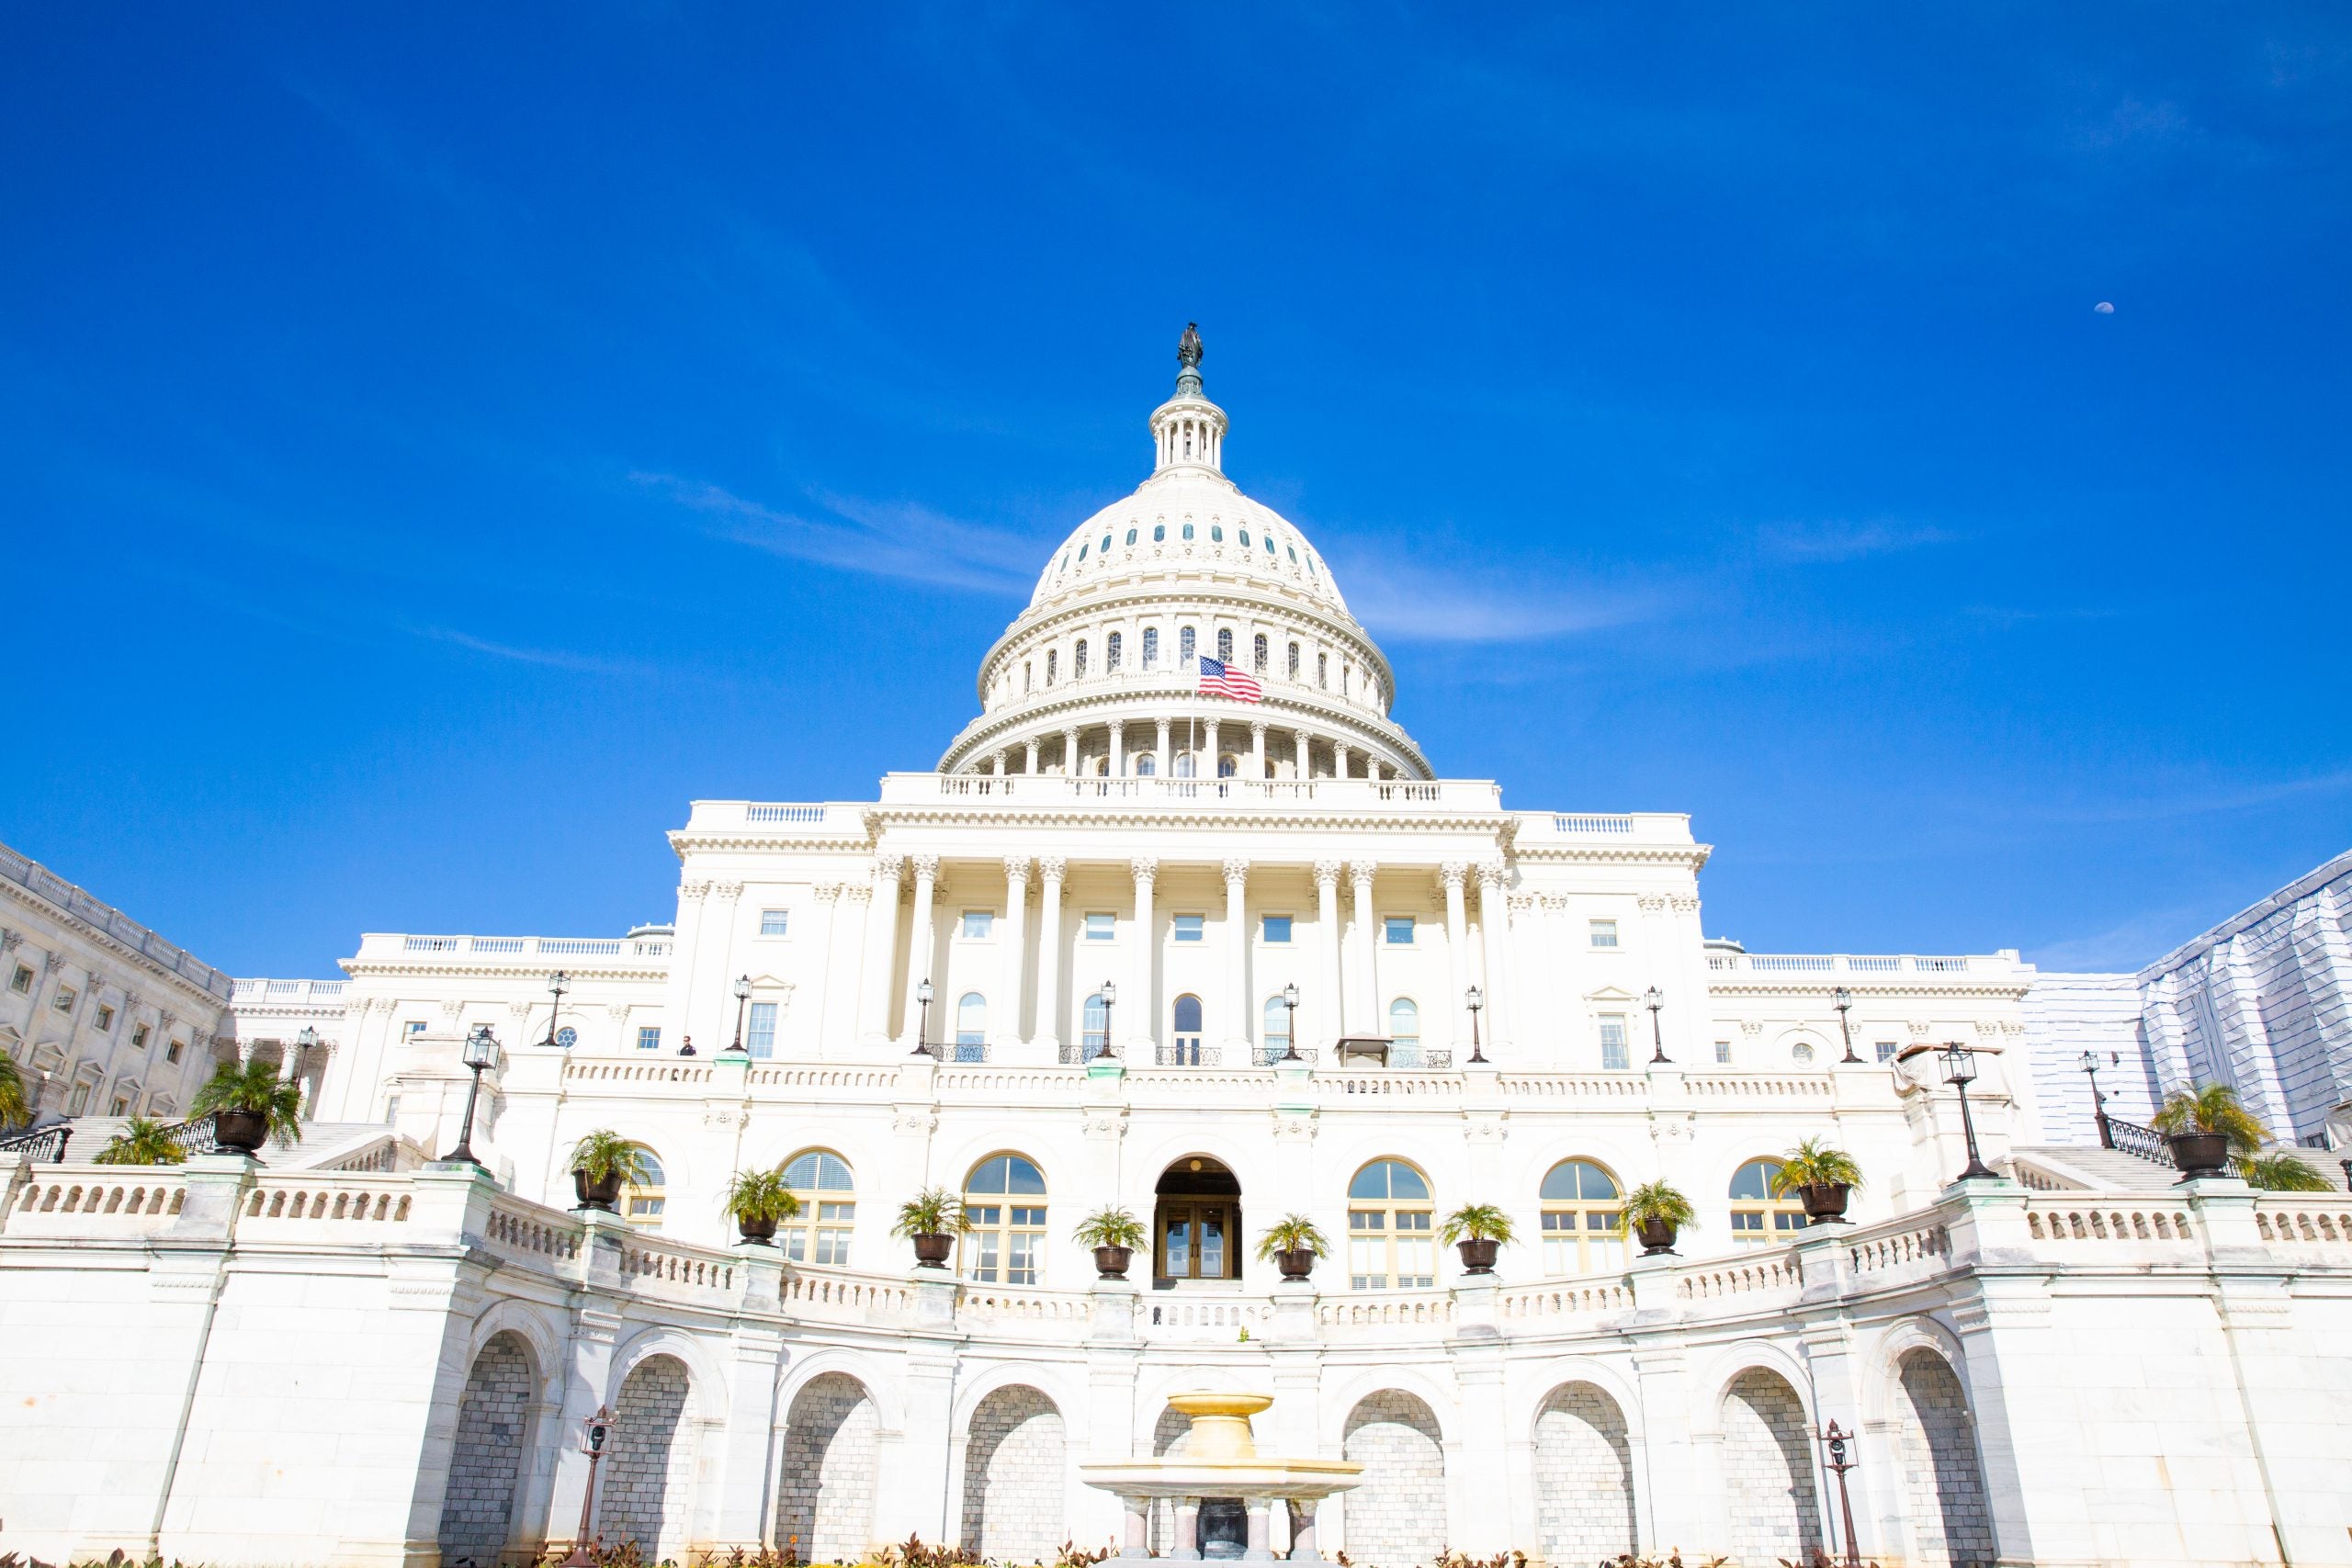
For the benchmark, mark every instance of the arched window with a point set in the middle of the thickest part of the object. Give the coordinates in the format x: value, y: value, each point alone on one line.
x: 1131, y: 536
x: 1389, y: 1241
x: 1404, y: 1032
x: 1294, y: 661
x: 1053, y: 659
x: 1185, y: 647
x: 1106, y: 547
x: 1245, y: 538
x: 1225, y: 645
x: 1187, y: 1052
x: 1097, y: 1018
x: 642, y: 1199
x: 1759, y: 1219
x: 1188, y: 530
x: 1183, y: 764
x: 1216, y: 533
x: 820, y: 1233
x: 1083, y: 549
x: 1270, y: 543
x: 1078, y: 661
x: 971, y: 1025
x: 1025, y: 677
x: 1276, y: 1027
x: 1229, y: 766
x: 1322, y: 668
x: 1146, y: 765
x: 1113, y: 647
x: 1584, y: 1219
x: 1005, y: 1199
x: 1151, y: 647
x: 1257, y: 658
x: 1159, y: 533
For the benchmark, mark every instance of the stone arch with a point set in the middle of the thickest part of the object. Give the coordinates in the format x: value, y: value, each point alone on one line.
x: 1767, y: 1470
x: 649, y: 1479
x: 1397, y: 1519
x: 824, y: 1495
x: 486, y: 1456
x: 1584, y: 1475
x: 1935, y: 1444
x: 1014, y: 1458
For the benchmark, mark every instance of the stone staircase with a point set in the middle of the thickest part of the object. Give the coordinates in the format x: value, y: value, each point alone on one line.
x: 2074, y: 1166
x: 325, y: 1145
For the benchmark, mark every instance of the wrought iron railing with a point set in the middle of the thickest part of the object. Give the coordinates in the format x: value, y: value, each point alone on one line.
x: 1274, y: 1055
x: 195, y: 1135
x: 41, y: 1143
x: 1189, y: 1053
x: 953, y: 1050
x: 2130, y: 1138
x: 1076, y: 1054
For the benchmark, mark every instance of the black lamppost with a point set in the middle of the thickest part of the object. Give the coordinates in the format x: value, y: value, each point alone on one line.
x: 1110, y: 994
x: 742, y: 998
x: 1960, y: 1071
x: 558, y: 983
x: 480, y: 1056
x: 1476, y: 1000
x: 1290, y: 1000
x: 595, y: 1431
x: 2098, y: 1100
x: 922, y: 1027
x: 1844, y: 998
x: 1655, y: 999
x: 2346, y: 1164
x: 1839, y: 1465
x: 302, y: 1043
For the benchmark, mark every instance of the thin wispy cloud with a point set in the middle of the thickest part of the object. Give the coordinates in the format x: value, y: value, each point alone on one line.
x: 901, y: 541
x: 2203, y: 801
x: 1839, y: 539
x: 1406, y: 604
x: 2127, y: 945
x: 550, y: 659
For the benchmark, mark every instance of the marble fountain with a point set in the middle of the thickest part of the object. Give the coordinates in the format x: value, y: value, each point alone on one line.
x: 1217, y: 1473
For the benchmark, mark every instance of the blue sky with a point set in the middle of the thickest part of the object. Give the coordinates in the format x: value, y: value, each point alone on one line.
x: 436, y: 445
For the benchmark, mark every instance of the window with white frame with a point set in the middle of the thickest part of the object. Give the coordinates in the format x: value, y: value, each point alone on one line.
x: 648, y: 1037
x: 1390, y: 1216
x: 413, y: 1026
x: 775, y: 922
x: 1189, y: 928
x: 1004, y: 1202
x: 820, y: 1233
x: 64, y: 1000
x: 1604, y: 932
x: 1151, y: 647
x: 138, y: 1037
x: 972, y: 1020
x: 1275, y: 1019
x: 20, y: 980
x: 1722, y: 1053
x: 978, y: 924
x: 1100, y: 927
x: 1613, y: 1052
x: 106, y: 1018
x: 1275, y: 928
x: 1886, y: 1050
x: 760, y: 1037
x: 1397, y: 931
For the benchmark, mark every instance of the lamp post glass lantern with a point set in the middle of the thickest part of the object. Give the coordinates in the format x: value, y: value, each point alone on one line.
x: 480, y: 1055
x: 1474, y: 1000
x: 596, y: 1436
x: 742, y: 996
x: 1290, y: 1018
x: 2098, y: 1100
x: 1654, y: 999
x: 1110, y: 995
x: 558, y: 983
x: 922, y: 1025
x: 1839, y: 1465
x: 1843, y: 999
x: 1960, y: 1071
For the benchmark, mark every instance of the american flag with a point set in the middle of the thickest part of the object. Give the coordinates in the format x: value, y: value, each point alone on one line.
x: 1219, y: 679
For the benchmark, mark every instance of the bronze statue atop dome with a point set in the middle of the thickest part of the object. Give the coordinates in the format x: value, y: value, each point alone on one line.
x: 1188, y: 347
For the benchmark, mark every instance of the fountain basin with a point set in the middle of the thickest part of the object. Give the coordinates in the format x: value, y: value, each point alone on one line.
x: 1221, y: 1463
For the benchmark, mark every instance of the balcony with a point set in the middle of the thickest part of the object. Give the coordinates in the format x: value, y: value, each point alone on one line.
x: 652, y: 953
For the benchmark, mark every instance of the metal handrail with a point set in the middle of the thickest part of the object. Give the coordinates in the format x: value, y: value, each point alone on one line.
x: 2130, y: 1138
x: 39, y: 1144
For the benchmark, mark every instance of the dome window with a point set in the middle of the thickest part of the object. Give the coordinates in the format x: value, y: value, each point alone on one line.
x: 1151, y: 647
x: 1258, y: 655
x: 1185, y: 647
x: 1053, y: 663
x: 1217, y: 533
x: 1106, y: 544
x: 1188, y: 530
x: 1293, y: 555
x: 1083, y: 549
x: 1078, y: 661
x: 1294, y: 664
x: 1270, y: 543
x: 1225, y: 645
x: 1159, y: 533
x: 1131, y: 536
x: 1113, y: 646
x: 1245, y: 538
x: 1065, y: 566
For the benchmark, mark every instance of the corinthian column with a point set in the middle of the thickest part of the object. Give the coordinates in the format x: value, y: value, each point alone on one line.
x: 1236, y: 958
x: 1327, y: 1009
x: 1365, y: 992
x: 881, y: 948
x: 1146, y: 999
x: 1257, y: 750
x: 1008, y: 1010
x: 1494, y: 926
x: 1453, y: 873
x: 1049, y: 950
x: 919, y: 943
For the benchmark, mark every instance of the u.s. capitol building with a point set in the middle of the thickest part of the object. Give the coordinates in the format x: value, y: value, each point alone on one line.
x: 1181, y: 923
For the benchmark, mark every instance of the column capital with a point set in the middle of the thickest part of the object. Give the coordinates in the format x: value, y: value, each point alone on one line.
x: 1453, y: 874
x: 1164, y: 728
x: 730, y: 891
x: 1237, y: 869
x: 694, y: 889
x: 1145, y: 867
x: 1016, y: 870
x: 1490, y: 874
x: 1327, y: 874
x: 1258, y: 729
x: 826, y: 892
x: 1050, y: 868
x: 858, y: 892
x: 926, y: 867
x: 1361, y: 872
x: 887, y: 868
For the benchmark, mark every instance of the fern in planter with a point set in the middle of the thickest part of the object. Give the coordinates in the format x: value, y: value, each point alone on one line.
x: 756, y: 1198
x: 604, y: 1154
x: 1292, y: 1233
x: 1815, y: 1164
x: 254, y: 1089
x: 1475, y: 1222
x: 2211, y: 1108
x: 142, y: 1141
x: 1656, y: 1203
x: 1110, y: 1227
x: 934, y: 1211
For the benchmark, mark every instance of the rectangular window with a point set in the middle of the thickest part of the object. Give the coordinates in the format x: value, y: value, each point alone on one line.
x: 21, y: 981
x: 761, y: 1041
x: 171, y: 1051
x: 80, y: 1102
x: 775, y: 922
x: 105, y: 1020
x: 121, y: 1106
x: 1397, y: 930
x: 979, y: 924
x: 1886, y: 1050
x: 1275, y: 928
x: 1101, y: 928
x: 1604, y: 933
x: 1188, y: 928
x: 413, y: 1026
x: 139, y: 1038
x: 648, y: 1037
x: 1612, y: 1042
x: 64, y: 1000
x: 1722, y: 1053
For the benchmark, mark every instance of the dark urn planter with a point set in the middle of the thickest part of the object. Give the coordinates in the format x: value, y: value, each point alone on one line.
x: 1478, y: 1254
x: 1825, y: 1201
x: 2199, y: 1154
x: 240, y: 1131
x: 932, y: 1251
x: 1295, y: 1262
x: 761, y: 1231
x: 599, y: 1194
x: 1111, y: 1262
x: 1656, y: 1236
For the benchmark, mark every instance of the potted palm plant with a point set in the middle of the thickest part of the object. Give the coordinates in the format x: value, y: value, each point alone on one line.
x: 2284, y: 1172
x: 601, y: 1163
x: 1114, y: 1234
x: 1477, y: 1231
x: 16, y: 1105
x: 758, y: 1199
x: 142, y: 1141
x: 250, y: 1104
x: 2204, y: 1126
x: 1656, y: 1212
x: 932, y: 1219
x: 1293, y: 1244
x: 1822, y: 1177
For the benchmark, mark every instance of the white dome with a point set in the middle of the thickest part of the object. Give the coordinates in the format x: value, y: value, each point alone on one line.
x: 1189, y: 516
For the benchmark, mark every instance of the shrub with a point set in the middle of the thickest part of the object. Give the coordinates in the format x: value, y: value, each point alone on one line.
x: 602, y: 1155
x: 934, y: 1211
x: 255, y: 1086
x: 1110, y: 1227
x: 143, y: 1142
x: 1814, y: 1164
x: 1292, y: 1233
x: 1475, y: 1222
x: 2213, y: 1107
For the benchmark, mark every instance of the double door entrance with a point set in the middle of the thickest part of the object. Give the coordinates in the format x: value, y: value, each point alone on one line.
x: 1196, y: 1222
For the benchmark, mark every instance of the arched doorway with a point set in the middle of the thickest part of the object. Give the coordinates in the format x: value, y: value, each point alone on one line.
x: 648, y: 1487
x: 1397, y: 1519
x: 1943, y: 1487
x: 1584, y: 1475
x: 824, y: 1508
x: 1014, y: 1477
x: 1767, y: 1470
x: 1196, y: 1222
x: 478, y: 1509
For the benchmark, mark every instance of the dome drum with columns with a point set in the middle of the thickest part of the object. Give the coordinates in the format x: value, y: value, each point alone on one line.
x: 1101, y: 675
